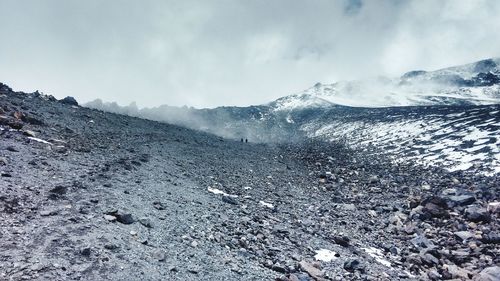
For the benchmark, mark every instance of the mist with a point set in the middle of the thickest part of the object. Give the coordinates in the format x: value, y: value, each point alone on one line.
x: 214, y: 53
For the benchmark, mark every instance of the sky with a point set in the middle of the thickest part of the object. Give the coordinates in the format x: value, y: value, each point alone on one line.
x: 209, y: 53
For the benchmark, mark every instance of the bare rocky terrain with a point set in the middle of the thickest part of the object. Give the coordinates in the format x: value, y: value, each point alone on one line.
x: 89, y: 195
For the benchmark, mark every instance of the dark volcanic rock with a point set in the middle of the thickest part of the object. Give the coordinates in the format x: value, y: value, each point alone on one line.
x: 69, y: 100
x: 342, y: 240
x: 59, y: 190
x: 489, y: 274
x: 125, y: 218
x: 354, y: 265
x: 435, y: 206
x: 477, y: 214
x: 229, y: 199
x: 491, y: 238
x: 461, y: 200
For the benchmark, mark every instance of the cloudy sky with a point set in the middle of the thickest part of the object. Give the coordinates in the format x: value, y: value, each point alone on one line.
x: 208, y: 53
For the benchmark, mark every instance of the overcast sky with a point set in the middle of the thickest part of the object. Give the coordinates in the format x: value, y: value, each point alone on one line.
x: 231, y: 52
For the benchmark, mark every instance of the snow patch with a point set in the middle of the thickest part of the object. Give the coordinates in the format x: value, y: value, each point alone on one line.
x: 39, y: 140
x: 325, y: 255
x: 218, y: 191
x: 377, y: 255
x: 265, y: 204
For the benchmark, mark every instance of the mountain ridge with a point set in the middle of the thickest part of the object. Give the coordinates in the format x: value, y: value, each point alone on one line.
x: 433, y: 100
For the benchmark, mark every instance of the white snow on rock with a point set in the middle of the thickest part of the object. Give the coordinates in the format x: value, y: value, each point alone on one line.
x: 39, y: 140
x: 325, y: 255
x: 455, y: 141
x: 265, y: 204
x: 377, y: 255
x: 218, y: 191
x: 426, y: 88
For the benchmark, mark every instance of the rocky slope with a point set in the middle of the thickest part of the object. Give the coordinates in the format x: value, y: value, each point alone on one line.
x: 89, y: 195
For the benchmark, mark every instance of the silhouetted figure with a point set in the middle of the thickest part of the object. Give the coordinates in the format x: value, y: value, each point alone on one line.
x: 241, y: 139
x: 246, y: 140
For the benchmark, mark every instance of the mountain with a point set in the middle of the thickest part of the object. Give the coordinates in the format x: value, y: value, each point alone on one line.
x: 448, y: 117
x: 471, y: 84
x: 93, y: 195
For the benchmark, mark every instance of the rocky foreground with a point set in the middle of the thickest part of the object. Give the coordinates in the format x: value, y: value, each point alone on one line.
x: 88, y: 195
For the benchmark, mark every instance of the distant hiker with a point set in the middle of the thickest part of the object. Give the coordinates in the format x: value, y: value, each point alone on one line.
x: 246, y: 140
x: 241, y: 139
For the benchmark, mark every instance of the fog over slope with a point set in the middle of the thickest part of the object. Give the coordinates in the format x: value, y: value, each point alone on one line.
x: 437, y: 117
x: 476, y: 83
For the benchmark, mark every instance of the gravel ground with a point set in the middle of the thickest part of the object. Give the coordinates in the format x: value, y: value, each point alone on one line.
x: 88, y: 195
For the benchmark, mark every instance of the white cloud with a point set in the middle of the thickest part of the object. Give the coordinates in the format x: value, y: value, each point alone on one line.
x: 226, y: 52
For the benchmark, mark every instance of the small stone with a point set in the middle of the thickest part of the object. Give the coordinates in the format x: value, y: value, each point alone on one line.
x: 279, y: 268
x: 493, y: 207
x: 59, y: 190
x: 354, y: 265
x: 85, y: 251
x: 373, y: 179
x: 18, y: 115
x: 111, y: 246
x: 491, y: 238
x: 29, y: 133
x: 173, y: 268
x: 476, y: 214
x: 194, y: 244
x: 457, y: 272
x: 311, y: 270
x: 15, y: 125
x: 46, y: 213
x: 159, y: 205
x: 489, y: 274
x: 461, y: 200
x: 348, y: 207
x: 429, y: 259
x: 194, y: 269
x: 426, y: 187
x: 146, y: 222
x: 159, y: 255
x: 229, y: 199
x: 435, y: 207
x: 125, y: 218
x: 11, y: 149
x: 434, y: 275
x: 110, y: 218
x: 342, y: 240
x: 463, y: 235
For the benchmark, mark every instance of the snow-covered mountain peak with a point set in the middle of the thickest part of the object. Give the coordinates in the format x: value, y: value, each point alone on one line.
x: 475, y: 83
x: 300, y: 101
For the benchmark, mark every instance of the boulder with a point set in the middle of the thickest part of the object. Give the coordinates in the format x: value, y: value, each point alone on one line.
x: 489, y: 274
x: 460, y: 200
x: 69, y: 100
x: 476, y: 214
x: 435, y: 206
x: 125, y: 218
x: 354, y: 265
x: 314, y: 272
